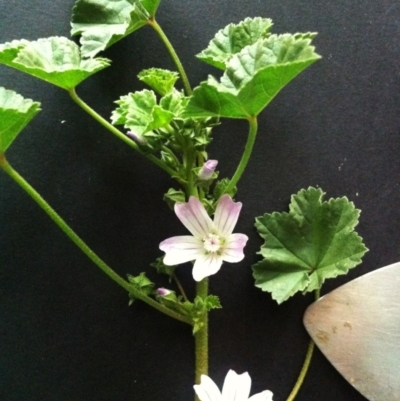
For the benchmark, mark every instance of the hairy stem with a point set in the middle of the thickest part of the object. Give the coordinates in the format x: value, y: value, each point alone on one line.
x: 117, y: 132
x: 172, y: 52
x: 305, y: 367
x: 246, y: 154
x: 82, y: 245
x: 201, y: 337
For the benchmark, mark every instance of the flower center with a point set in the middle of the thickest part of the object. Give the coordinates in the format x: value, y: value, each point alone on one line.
x: 212, y: 242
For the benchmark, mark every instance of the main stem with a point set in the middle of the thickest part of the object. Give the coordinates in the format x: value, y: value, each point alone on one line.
x: 246, y: 154
x: 172, y: 52
x: 82, y: 245
x: 201, y: 337
x: 306, y: 365
x: 117, y: 132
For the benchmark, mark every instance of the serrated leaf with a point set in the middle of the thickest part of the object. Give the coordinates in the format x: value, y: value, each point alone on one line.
x: 15, y: 114
x: 102, y: 23
x: 314, y: 241
x: 233, y: 38
x: 161, y: 81
x: 253, y: 77
x: 140, y: 113
x: 56, y: 60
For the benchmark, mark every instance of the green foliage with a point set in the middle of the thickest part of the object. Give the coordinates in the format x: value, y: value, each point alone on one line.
x: 161, y: 81
x: 162, y: 268
x: 102, y: 23
x: 141, y: 283
x: 233, y: 38
x: 15, y: 114
x: 253, y: 77
x: 314, y: 241
x: 220, y: 187
x: 173, y: 196
x: 200, y: 306
x: 56, y: 60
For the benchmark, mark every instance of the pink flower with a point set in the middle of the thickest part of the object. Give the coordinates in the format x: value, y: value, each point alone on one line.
x: 212, y: 241
x: 236, y: 388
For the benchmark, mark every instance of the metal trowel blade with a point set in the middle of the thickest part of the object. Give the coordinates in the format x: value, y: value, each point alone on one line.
x: 357, y: 327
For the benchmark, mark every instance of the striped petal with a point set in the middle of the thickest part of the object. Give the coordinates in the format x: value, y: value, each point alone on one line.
x: 226, y: 215
x: 236, y: 387
x: 233, y: 250
x: 206, y: 265
x: 207, y: 390
x: 181, y: 249
x: 194, y: 217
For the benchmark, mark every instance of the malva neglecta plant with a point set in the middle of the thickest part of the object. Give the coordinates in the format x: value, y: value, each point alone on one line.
x: 172, y: 128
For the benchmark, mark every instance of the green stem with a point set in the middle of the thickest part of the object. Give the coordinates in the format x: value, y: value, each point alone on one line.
x: 173, y: 54
x: 189, y: 161
x: 180, y: 287
x: 117, y: 132
x: 81, y: 244
x: 246, y: 154
x: 306, y: 365
x: 201, y: 336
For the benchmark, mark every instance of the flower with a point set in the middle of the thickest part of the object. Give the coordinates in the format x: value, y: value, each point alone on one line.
x: 207, y: 170
x: 236, y: 388
x: 212, y: 241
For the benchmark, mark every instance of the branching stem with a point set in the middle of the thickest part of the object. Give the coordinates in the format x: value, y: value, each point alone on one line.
x: 117, y: 132
x: 82, y: 245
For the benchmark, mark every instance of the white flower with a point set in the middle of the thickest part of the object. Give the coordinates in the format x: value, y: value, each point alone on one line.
x: 212, y: 241
x: 236, y: 388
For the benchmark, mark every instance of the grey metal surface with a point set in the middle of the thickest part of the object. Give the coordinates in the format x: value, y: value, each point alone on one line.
x: 357, y: 327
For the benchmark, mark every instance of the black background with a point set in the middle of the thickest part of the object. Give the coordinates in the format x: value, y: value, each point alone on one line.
x: 66, y: 331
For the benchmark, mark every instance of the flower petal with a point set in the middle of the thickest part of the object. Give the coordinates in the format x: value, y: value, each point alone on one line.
x: 206, y: 265
x: 264, y: 396
x: 226, y: 214
x: 236, y: 387
x: 181, y: 249
x: 233, y: 250
x: 207, y: 390
x: 194, y: 217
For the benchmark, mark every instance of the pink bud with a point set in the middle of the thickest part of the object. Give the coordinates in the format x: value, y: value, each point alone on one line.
x: 162, y: 292
x: 136, y: 138
x: 207, y: 170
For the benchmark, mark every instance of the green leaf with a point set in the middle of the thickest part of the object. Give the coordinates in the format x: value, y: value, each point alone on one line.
x: 140, y: 113
x: 220, y: 187
x: 233, y: 38
x: 161, y: 81
x: 15, y: 114
x: 313, y: 242
x: 142, y: 283
x: 173, y: 196
x: 253, y: 77
x: 56, y: 60
x: 162, y: 268
x: 102, y: 23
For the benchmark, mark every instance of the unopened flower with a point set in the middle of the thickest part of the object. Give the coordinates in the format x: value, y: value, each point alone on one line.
x: 236, y: 388
x: 162, y: 292
x: 207, y: 170
x: 137, y: 138
x: 212, y: 241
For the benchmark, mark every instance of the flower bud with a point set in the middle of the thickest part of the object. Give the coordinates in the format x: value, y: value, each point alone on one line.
x: 136, y: 138
x: 207, y: 170
x: 163, y: 292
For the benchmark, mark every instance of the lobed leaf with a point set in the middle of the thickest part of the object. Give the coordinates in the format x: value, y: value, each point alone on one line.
x: 253, y: 77
x: 233, y: 38
x: 313, y: 242
x: 56, y: 60
x: 161, y: 81
x: 102, y: 23
x: 15, y: 114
